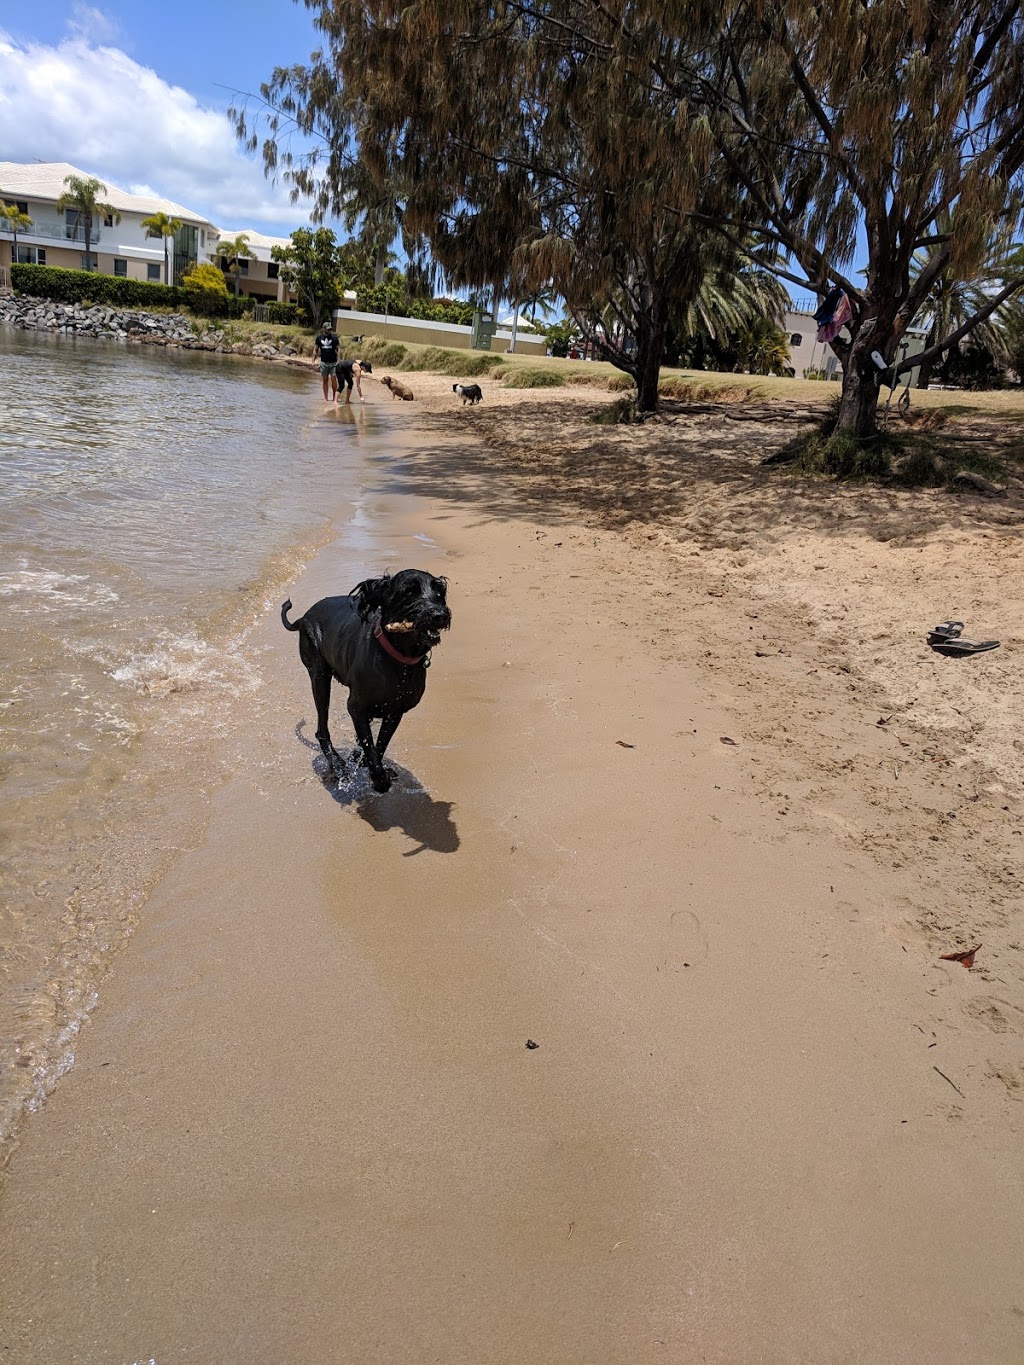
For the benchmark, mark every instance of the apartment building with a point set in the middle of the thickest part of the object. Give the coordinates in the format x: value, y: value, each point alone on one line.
x: 258, y: 276
x: 116, y: 247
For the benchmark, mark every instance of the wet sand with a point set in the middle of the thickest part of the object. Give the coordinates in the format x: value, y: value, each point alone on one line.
x: 304, y: 1123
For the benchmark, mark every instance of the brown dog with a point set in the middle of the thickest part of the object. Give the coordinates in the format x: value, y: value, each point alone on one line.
x: 398, y: 389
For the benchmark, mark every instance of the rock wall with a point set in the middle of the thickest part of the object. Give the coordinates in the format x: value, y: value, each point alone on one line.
x: 173, y: 330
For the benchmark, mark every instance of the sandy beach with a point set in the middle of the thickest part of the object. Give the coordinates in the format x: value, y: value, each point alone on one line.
x: 690, y: 805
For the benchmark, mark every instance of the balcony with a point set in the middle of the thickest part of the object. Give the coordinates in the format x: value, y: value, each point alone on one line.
x: 50, y: 232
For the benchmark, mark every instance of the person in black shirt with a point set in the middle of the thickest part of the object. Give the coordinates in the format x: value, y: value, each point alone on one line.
x: 325, y: 349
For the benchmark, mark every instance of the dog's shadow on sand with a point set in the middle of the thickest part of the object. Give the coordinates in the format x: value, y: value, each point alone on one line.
x: 407, y: 806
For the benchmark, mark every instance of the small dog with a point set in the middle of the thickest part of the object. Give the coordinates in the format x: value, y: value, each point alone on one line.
x: 398, y: 389
x: 469, y: 393
x: 375, y: 642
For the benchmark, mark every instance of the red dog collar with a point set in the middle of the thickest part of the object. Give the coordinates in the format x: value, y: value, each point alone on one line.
x: 389, y: 648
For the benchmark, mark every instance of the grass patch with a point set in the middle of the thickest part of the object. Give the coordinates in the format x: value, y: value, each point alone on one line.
x: 918, y: 454
x: 459, y: 364
x: 677, y: 387
x: 620, y: 383
x: 376, y: 350
x: 620, y: 413
x: 530, y: 378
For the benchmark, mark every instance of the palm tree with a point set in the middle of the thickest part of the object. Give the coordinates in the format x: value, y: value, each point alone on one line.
x: 234, y: 250
x: 543, y: 298
x: 954, y: 298
x: 20, y: 222
x: 762, y: 347
x: 160, y: 225
x: 82, y: 197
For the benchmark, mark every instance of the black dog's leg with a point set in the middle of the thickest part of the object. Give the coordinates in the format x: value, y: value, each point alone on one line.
x: 320, y: 679
x: 361, y: 720
x: 388, y: 726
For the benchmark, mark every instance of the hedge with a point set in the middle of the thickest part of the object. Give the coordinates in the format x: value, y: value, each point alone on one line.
x: 283, y: 314
x: 86, y: 286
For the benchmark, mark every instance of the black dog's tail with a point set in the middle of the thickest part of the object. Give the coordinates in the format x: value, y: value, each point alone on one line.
x: 285, y: 609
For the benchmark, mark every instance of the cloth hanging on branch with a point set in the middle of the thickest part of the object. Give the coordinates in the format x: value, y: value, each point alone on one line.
x: 830, y: 323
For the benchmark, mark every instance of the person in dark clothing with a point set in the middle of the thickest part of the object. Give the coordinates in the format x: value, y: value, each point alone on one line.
x: 349, y: 372
x: 325, y: 350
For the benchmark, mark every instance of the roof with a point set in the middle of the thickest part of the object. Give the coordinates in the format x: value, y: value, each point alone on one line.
x: 259, y: 243
x: 45, y: 180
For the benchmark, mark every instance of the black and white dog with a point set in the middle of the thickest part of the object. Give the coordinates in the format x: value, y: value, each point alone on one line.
x: 469, y: 393
x: 375, y: 642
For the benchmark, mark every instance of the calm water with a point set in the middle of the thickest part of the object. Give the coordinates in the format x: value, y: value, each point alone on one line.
x: 149, y: 502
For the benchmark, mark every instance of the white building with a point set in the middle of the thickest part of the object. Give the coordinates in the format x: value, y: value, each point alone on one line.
x: 117, y: 248
x: 259, y: 276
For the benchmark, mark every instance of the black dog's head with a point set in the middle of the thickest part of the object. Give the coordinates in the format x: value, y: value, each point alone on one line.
x: 409, y: 595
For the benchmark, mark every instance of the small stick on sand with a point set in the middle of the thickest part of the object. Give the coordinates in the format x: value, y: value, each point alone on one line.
x: 952, y: 1083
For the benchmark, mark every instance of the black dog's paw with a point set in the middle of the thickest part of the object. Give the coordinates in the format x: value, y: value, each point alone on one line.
x: 381, y: 781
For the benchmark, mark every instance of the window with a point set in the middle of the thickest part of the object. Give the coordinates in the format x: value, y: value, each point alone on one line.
x: 121, y: 268
x: 273, y: 269
x: 108, y: 220
x: 21, y: 205
x: 90, y: 262
x: 243, y: 266
x: 31, y: 255
x: 71, y: 221
x: 795, y: 339
x: 153, y: 271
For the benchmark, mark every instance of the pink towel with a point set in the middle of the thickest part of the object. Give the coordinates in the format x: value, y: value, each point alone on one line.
x: 843, y: 314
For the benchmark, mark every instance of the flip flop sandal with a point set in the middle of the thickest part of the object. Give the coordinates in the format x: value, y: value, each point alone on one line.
x: 956, y: 646
x: 945, y: 630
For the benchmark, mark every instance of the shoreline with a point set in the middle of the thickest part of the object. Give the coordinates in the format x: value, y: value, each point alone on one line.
x: 308, y: 1070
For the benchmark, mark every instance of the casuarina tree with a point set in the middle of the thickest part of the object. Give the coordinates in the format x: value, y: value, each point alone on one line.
x: 530, y: 154
x: 868, y: 135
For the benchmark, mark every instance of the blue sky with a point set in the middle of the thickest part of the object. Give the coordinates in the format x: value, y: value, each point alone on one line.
x: 135, y: 93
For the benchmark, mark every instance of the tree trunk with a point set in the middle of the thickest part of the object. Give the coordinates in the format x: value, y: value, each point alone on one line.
x: 88, y: 242
x: 380, y: 261
x: 515, y: 326
x: 858, y: 406
x: 167, y: 267
x: 650, y: 347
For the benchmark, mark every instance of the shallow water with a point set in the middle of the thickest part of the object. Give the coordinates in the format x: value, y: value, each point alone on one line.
x: 150, y: 501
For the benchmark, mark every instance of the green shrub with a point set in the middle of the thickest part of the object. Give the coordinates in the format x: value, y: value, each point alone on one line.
x: 282, y: 314
x: 86, y: 286
x: 531, y: 378
x: 619, y: 382
x: 204, y: 278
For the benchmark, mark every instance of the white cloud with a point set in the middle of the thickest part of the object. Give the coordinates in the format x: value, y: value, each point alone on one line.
x: 89, y: 103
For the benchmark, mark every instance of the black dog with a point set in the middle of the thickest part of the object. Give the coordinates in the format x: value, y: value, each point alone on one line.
x: 469, y: 393
x: 375, y: 642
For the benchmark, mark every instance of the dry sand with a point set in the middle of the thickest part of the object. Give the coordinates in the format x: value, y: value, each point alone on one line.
x: 764, y: 1121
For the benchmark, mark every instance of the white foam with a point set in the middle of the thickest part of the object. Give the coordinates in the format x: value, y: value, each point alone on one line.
x: 50, y: 590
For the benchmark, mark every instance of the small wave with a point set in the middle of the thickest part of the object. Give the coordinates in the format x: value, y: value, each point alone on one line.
x: 186, y: 663
x: 50, y: 590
